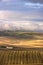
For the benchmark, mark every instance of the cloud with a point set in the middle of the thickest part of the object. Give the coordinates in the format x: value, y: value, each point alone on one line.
x: 21, y: 15
x: 12, y: 20
x: 34, y: 1
x: 6, y: 26
x: 34, y: 5
x: 9, y: 15
x: 20, y: 5
x: 21, y: 25
x: 14, y: 15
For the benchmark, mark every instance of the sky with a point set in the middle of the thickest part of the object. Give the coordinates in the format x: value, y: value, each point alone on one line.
x: 21, y: 15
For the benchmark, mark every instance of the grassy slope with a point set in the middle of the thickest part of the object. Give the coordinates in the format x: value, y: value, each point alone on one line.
x: 22, y: 38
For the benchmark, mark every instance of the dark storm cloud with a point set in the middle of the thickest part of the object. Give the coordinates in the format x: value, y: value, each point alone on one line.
x: 35, y: 1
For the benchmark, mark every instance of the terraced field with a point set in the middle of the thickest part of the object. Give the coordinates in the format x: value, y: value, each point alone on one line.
x: 13, y: 57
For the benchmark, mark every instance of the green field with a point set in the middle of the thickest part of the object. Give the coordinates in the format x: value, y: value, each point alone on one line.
x: 22, y: 57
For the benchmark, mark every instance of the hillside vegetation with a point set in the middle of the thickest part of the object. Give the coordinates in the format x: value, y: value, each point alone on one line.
x: 30, y: 39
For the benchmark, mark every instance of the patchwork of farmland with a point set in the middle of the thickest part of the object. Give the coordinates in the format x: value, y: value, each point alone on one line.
x: 21, y: 48
x: 12, y: 57
x: 29, y: 39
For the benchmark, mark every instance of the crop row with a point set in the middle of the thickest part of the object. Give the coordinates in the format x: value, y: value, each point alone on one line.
x: 20, y: 57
